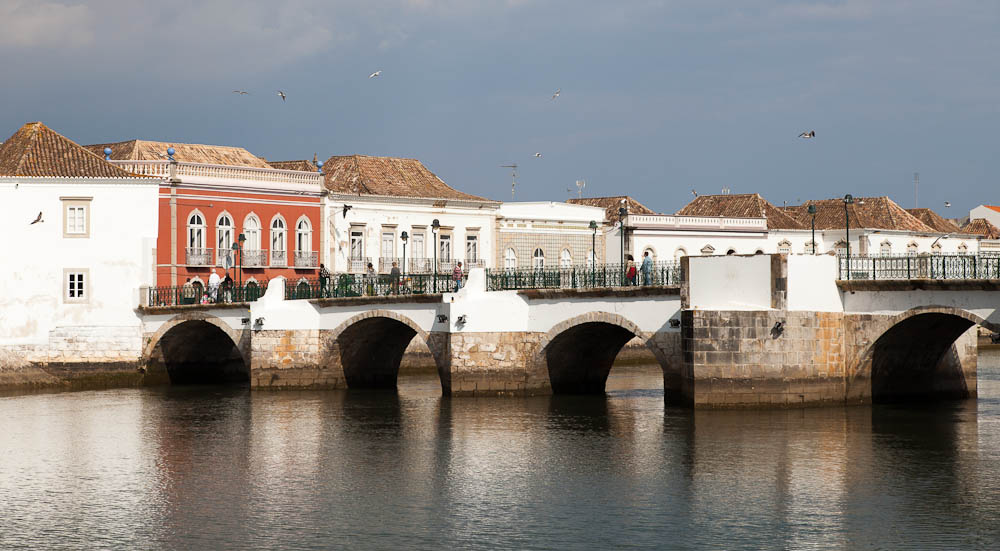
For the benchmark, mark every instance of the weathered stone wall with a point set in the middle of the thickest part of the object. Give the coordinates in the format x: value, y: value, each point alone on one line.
x: 738, y: 359
x: 295, y: 359
x: 484, y: 364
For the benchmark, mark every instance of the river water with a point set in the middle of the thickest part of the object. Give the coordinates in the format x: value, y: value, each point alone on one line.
x: 223, y: 468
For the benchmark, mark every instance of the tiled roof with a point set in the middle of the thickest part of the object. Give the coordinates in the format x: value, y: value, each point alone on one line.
x: 612, y: 204
x: 877, y: 213
x: 37, y: 150
x: 934, y: 220
x: 981, y: 226
x: 303, y: 165
x: 992, y: 207
x: 142, y: 150
x: 749, y: 205
x: 388, y: 176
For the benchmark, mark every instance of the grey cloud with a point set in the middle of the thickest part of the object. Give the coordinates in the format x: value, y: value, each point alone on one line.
x: 28, y: 24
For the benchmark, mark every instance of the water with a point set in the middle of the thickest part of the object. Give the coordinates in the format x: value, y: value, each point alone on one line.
x: 207, y: 468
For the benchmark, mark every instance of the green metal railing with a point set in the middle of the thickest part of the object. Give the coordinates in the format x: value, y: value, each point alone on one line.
x: 582, y: 277
x: 351, y: 285
x: 197, y: 294
x: 960, y: 266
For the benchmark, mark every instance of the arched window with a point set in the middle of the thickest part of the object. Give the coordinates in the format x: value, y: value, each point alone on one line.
x: 224, y: 240
x: 708, y: 249
x: 936, y: 248
x: 730, y: 252
x: 251, y: 231
x: 303, y: 236
x: 538, y: 259
x: 196, y: 231
x: 784, y: 247
x: 679, y: 253
x: 652, y: 253
x: 841, y: 248
x: 277, y: 234
x: 759, y: 251
x: 565, y: 259
x: 510, y: 259
x: 885, y: 248
x: 911, y: 248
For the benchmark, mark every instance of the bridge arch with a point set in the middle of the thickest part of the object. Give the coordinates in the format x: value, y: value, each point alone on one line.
x: 198, y: 347
x: 917, y: 355
x: 576, y: 355
x: 370, y: 346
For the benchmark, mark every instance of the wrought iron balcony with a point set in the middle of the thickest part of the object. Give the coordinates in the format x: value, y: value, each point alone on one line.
x: 254, y: 258
x: 385, y: 263
x: 306, y: 259
x: 198, y: 257
x: 359, y: 265
x: 420, y: 265
x: 279, y: 259
x: 470, y: 264
x: 225, y: 258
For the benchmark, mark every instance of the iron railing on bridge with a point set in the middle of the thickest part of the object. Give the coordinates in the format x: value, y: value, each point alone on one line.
x: 351, y: 285
x: 582, y: 277
x: 197, y: 294
x: 960, y: 266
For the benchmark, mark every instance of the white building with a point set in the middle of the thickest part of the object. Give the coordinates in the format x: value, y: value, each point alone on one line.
x: 372, y: 202
x: 548, y: 234
x: 989, y: 212
x: 84, y: 236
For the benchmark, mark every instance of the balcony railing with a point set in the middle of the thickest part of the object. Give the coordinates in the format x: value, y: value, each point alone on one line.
x: 445, y: 266
x: 385, y: 263
x: 255, y: 258
x: 358, y: 265
x: 420, y: 265
x: 198, y: 257
x: 583, y: 277
x: 225, y: 258
x: 351, y: 285
x: 279, y: 259
x: 180, y: 295
x: 935, y: 266
x: 306, y: 259
x: 203, y: 170
x: 470, y: 264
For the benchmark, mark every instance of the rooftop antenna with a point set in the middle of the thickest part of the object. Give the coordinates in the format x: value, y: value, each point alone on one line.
x: 513, y: 177
x: 916, y: 184
x: 580, y: 184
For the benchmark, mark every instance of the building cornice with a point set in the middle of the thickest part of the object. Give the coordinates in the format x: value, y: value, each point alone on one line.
x: 433, y: 202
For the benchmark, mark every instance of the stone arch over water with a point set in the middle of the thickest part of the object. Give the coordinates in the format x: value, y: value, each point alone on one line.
x: 576, y: 355
x: 199, y: 348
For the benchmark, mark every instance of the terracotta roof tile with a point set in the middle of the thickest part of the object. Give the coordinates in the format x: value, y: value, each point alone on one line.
x: 389, y: 176
x: 877, y: 213
x: 748, y: 205
x: 981, y: 226
x: 143, y: 150
x: 612, y: 204
x: 303, y: 165
x: 934, y: 220
x: 37, y: 150
x: 992, y: 207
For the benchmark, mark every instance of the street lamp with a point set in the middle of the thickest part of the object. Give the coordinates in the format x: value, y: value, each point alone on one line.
x: 593, y: 252
x: 812, y: 212
x: 238, y: 249
x: 405, y: 237
x: 848, y: 200
x: 622, y: 213
x: 435, y: 226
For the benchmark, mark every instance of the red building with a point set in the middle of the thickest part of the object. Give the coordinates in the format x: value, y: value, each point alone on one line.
x: 211, y: 195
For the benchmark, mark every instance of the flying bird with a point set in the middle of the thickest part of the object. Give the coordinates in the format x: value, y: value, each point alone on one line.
x: 375, y: 74
x: 241, y: 92
x: 809, y: 134
x: 38, y: 219
x: 556, y: 94
x: 347, y: 208
x: 538, y: 155
x: 947, y: 203
x: 282, y: 95
x: 695, y: 193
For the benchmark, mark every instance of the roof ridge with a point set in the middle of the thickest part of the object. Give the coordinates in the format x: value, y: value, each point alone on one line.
x: 35, y: 131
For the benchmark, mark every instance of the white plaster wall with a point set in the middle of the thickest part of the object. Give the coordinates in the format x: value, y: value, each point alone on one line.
x: 985, y: 304
x: 730, y: 282
x: 233, y: 317
x: 982, y: 211
x: 552, y: 211
x: 118, y: 255
x: 812, y: 284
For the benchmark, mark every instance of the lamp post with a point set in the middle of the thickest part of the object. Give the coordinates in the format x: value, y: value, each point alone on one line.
x: 405, y: 237
x: 812, y: 212
x: 593, y: 245
x: 435, y: 225
x: 848, y: 200
x: 238, y: 249
x: 622, y: 213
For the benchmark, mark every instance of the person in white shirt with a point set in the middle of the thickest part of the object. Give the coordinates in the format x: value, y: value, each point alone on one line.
x: 213, y: 285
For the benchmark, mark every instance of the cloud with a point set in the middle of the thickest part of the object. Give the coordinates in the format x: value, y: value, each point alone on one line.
x: 29, y: 24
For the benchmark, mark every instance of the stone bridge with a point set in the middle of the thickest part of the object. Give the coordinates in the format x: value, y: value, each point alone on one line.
x: 741, y: 331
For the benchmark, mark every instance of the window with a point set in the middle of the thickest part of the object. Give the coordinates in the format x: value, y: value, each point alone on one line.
x: 841, y: 248
x: 277, y: 235
x: 444, y: 248
x: 76, y: 216
x: 911, y: 248
x: 759, y: 251
x: 510, y: 259
x: 538, y: 259
x: 224, y: 233
x: 565, y: 259
x: 418, y: 245
x: 251, y: 231
x: 730, y: 252
x: 590, y: 259
x: 471, y: 248
x: 785, y: 247
x: 679, y: 253
x: 652, y: 253
x: 388, y: 242
x: 196, y: 231
x: 76, y: 283
x: 303, y: 236
x: 885, y: 248
x: 357, y: 244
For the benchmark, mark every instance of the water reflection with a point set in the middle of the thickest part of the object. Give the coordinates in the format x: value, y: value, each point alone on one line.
x: 227, y: 468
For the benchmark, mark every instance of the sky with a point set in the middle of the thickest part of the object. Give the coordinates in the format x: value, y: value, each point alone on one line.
x: 658, y: 98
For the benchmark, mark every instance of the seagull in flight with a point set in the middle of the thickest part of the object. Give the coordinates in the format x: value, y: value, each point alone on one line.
x: 241, y: 92
x: 538, y: 155
x: 556, y: 94
x: 281, y: 95
x: 375, y: 74
x: 347, y: 208
x: 947, y: 203
x: 695, y: 193
x: 809, y: 134
x: 38, y: 219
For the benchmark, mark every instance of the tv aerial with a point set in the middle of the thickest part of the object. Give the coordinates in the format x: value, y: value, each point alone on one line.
x: 580, y: 184
x: 513, y: 177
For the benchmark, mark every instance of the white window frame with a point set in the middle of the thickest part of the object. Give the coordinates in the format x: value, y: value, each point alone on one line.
x: 444, y: 247
x: 279, y: 234
x: 224, y: 235
x: 538, y: 259
x: 303, y: 235
x: 784, y: 247
x: 471, y: 248
x: 510, y: 259
x: 80, y: 290
x: 251, y: 231
x: 885, y: 248
x: 418, y: 242
x: 82, y: 206
x: 565, y: 259
x: 388, y: 238
x: 912, y: 248
x: 196, y: 230
x: 357, y: 235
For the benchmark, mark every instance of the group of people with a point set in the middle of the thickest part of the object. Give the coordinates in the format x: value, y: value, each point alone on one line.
x: 395, y: 278
x: 646, y: 269
x: 219, y: 290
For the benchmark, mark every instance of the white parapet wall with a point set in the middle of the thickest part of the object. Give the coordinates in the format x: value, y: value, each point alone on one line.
x: 729, y: 282
x: 812, y: 283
